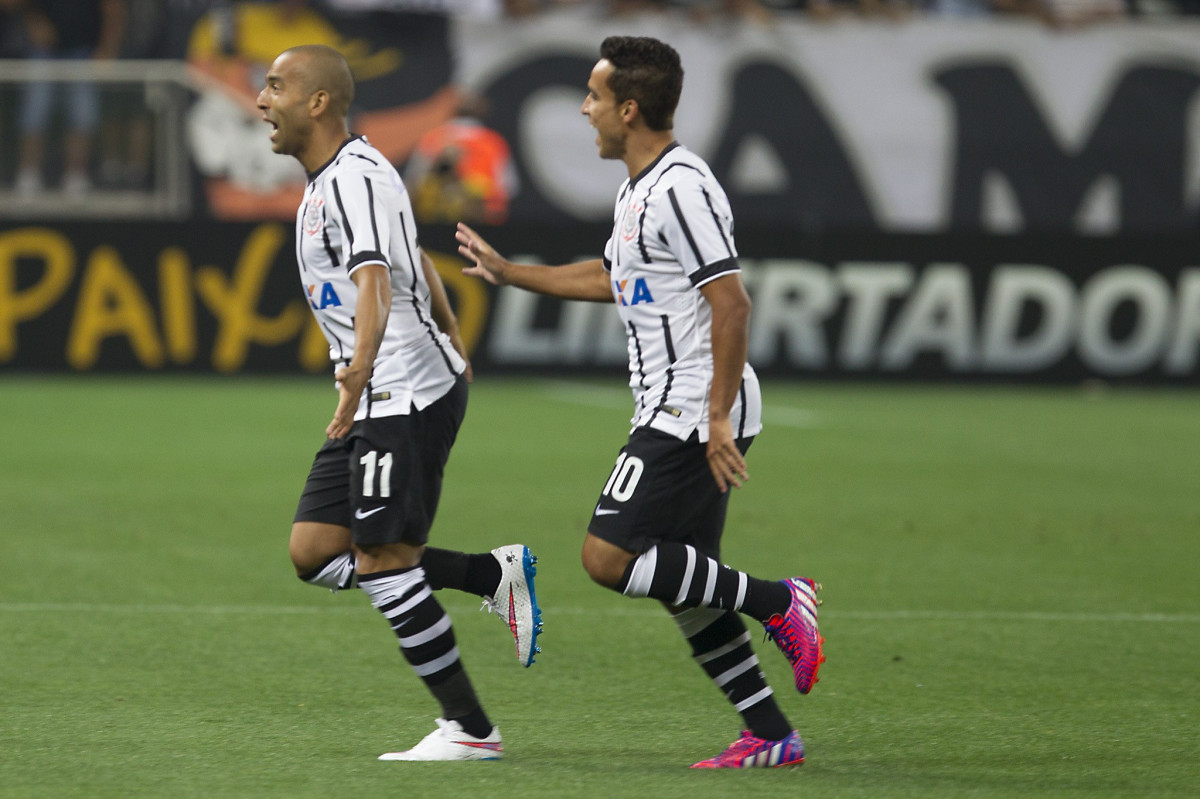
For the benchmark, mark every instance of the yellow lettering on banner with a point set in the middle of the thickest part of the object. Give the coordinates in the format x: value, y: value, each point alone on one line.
x: 178, y: 304
x: 111, y: 303
x: 233, y: 301
x: 58, y: 258
x: 468, y: 295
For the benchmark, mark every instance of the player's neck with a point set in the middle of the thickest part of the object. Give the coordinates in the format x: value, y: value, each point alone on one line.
x: 323, y: 146
x: 642, y: 149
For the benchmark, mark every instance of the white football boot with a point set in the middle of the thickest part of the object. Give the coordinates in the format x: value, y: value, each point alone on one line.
x: 515, y: 601
x: 450, y: 742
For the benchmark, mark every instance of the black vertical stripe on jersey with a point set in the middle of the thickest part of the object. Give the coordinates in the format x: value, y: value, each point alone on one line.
x: 645, y: 206
x: 341, y: 354
x: 332, y: 253
x: 428, y: 323
x: 666, y: 392
x: 642, y: 232
x: 742, y: 398
x: 412, y: 263
x: 371, y: 205
x: 666, y: 324
x: 349, y: 231
x: 413, y: 267
x: 687, y: 231
x: 637, y: 346
x: 716, y: 220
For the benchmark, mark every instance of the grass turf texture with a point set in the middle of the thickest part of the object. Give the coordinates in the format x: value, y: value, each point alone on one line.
x: 1011, y: 599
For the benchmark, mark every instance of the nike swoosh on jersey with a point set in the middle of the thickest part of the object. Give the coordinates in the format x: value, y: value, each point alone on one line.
x: 606, y: 512
x: 361, y: 514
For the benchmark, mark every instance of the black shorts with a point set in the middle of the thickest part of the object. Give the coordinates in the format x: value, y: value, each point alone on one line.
x: 661, y: 489
x: 384, y: 480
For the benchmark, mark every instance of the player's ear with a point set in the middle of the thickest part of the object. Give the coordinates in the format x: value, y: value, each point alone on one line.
x: 629, y: 111
x: 318, y: 103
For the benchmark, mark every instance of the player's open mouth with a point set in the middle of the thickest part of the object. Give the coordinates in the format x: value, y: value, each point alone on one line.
x: 274, y: 128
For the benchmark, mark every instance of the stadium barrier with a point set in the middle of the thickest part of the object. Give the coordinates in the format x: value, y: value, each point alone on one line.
x: 157, y: 91
x: 935, y: 125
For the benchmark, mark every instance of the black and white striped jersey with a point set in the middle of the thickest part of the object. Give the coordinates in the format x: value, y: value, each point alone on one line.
x: 672, y: 233
x: 356, y: 211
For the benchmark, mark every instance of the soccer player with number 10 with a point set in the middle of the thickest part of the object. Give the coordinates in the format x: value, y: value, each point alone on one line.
x: 670, y: 266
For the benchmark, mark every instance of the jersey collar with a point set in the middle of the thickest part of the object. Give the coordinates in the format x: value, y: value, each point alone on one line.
x: 313, y: 175
x: 653, y: 163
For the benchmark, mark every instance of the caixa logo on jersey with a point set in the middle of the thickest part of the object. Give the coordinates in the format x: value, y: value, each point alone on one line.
x: 322, y: 296
x: 639, y: 292
x: 314, y: 215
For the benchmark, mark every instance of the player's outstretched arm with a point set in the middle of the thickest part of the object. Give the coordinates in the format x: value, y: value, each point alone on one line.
x: 585, y: 280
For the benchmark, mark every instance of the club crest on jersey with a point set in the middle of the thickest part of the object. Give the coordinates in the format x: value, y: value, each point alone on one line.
x: 326, y: 297
x: 314, y: 215
x: 629, y: 225
x: 639, y: 292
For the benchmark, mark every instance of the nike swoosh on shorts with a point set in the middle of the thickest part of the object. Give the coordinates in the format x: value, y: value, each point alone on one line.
x: 360, y: 514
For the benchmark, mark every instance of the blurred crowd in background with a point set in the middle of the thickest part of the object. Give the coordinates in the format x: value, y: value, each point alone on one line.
x: 73, y: 138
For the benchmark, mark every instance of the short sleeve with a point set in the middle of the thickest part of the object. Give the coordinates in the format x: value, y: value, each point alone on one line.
x: 698, y: 227
x: 361, y: 215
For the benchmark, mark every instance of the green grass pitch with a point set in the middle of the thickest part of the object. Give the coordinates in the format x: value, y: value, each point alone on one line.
x: 1012, y: 598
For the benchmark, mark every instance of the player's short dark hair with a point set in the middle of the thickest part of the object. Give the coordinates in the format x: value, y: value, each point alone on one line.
x: 647, y: 71
x: 328, y: 70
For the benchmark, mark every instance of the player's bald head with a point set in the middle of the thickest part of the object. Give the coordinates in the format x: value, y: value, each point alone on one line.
x: 321, y: 68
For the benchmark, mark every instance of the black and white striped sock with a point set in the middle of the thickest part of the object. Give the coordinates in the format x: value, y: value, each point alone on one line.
x: 680, y: 575
x: 721, y: 646
x: 444, y: 568
x: 427, y: 642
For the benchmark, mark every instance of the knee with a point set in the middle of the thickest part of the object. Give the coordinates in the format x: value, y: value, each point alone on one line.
x: 595, y: 570
x: 605, y: 564
x: 311, y: 545
x: 303, y: 558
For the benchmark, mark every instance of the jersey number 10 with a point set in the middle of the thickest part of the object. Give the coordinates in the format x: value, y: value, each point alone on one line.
x: 624, y: 478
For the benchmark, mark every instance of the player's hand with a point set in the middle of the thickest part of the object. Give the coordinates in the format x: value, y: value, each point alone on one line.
x: 724, y: 458
x: 488, y: 263
x: 351, y: 382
